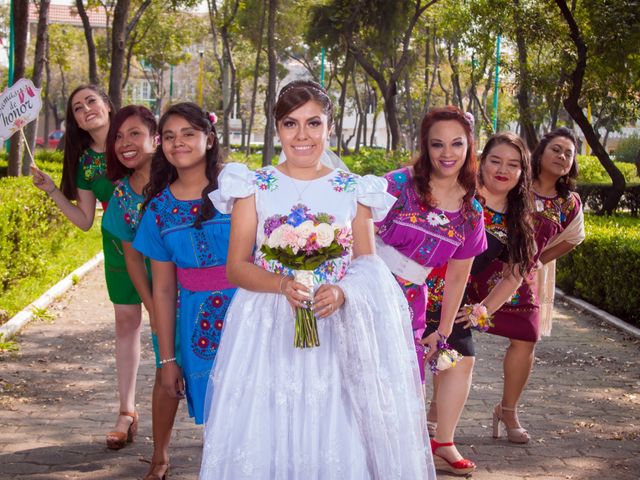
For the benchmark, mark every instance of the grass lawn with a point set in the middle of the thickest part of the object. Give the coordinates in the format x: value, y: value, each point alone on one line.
x: 80, y: 247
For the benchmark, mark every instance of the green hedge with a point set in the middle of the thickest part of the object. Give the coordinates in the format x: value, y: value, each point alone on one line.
x: 594, y: 194
x: 31, y: 229
x: 603, y: 270
x: 590, y: 170
x: 375, y: 161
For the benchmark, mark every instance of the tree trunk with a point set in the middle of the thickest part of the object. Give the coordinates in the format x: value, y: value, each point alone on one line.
x: 270, y: 129
x: 20, y: 23
x: 45, y: 102
x: 455, y: 75
x: 349, y: 61
x: 91, y: 45
x: 118, y: 44
x: 524, y: 85
x: 409, y: 108
x: 40, y: 58
x: 256, y: 71
x: 391, y: 112
x: 573, y: 108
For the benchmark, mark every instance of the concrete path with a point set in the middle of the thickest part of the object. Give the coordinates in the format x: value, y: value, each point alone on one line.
x: 58, y: 399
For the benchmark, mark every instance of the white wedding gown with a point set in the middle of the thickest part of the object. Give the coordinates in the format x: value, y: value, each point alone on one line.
x: 351, y: 408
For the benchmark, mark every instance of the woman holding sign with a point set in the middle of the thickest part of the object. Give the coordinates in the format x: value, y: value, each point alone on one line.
x: 88, y: 116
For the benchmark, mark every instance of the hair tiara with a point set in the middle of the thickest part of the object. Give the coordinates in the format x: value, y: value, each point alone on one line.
x: 294, y: 85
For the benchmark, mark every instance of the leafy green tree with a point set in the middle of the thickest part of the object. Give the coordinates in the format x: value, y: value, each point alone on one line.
x: 159, y: 41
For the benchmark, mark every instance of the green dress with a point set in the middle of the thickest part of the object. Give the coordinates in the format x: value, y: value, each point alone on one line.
x: 91, y: 176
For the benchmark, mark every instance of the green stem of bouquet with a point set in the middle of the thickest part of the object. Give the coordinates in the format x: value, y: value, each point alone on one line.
x: 306, y: 334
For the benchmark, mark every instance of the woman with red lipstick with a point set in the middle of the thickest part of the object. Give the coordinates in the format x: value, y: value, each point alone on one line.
x: 436, y: 220
x: 88, y: 116
x: 131, y: 143
x: 502, y: 280
x: 559, y: 227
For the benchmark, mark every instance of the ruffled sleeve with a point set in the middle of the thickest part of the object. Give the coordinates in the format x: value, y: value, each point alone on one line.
x: 235, y: 181
x: 371, y: 191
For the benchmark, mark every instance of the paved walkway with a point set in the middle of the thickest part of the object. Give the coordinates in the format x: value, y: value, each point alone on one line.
x: 57, y: 401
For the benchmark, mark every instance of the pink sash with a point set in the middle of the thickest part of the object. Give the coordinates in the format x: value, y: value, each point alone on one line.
x: 204, y: 279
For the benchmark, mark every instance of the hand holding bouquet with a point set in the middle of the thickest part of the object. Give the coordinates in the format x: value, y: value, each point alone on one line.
x: 446, y: 357
x: 302, y: 242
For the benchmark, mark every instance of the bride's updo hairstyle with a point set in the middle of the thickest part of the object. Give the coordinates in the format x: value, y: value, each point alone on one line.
x: 295, y: 94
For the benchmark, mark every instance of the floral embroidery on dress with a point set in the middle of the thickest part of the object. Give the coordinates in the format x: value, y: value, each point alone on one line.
x: 171, y: 213
x: 93, y: 165
x: 343, y: 181
x: 396, y: 181
x: 129, y: 204
x: 266, y: 180
x: 495, y: 223
x: 435, y: 288
x: 202, y: 250
x: 557, y: 209
x: 208, y: 328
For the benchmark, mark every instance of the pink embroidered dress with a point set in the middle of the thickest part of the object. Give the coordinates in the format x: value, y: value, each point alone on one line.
x: 428, y: 237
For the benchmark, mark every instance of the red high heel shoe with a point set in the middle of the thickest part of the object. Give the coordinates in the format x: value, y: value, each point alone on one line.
x: 459, y: 467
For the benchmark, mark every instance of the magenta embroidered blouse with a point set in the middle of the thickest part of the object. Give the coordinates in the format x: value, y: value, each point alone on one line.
x: 429, y: 236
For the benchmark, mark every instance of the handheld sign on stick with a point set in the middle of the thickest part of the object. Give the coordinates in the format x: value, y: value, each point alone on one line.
x: 20, y: 104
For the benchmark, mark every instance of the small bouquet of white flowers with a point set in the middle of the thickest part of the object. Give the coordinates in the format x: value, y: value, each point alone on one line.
x: 302, y: 242
x: 446, y: 357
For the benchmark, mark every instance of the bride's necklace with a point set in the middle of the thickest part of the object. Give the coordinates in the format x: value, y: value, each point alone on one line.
x: 295, y: 185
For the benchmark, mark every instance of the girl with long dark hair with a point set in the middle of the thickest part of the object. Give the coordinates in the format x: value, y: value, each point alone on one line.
x: 88, y: 116
x: 187, y: 240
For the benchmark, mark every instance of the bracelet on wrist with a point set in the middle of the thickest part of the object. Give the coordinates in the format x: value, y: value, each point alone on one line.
x: 441, y: 336
x: 50, y: 192
x: 167, y: 360
x: 282, y: 283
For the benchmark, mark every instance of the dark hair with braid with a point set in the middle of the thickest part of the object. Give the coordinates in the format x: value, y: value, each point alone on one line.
x: 423, y: 167
x: 521, y: 245
x: 115, y: 169
x: 76, y: 141
x: 566, y: 183
x: 163, y: 173
x: 295, y: 94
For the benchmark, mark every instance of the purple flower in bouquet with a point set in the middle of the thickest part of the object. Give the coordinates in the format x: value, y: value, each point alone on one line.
x: 271, y: 223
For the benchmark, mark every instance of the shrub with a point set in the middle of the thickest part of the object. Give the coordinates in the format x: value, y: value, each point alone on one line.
x: 594, y: 194
x: 628, y: 148
x: 591, y: 171
x: 31, y: 229
x: 375, y: 161
x: 603, y: 270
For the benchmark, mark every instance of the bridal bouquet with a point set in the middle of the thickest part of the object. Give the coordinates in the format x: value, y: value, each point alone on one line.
x: 446, y: 357
x: 302, y: 242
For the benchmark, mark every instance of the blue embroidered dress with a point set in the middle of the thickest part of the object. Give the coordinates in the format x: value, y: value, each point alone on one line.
x: 166, y: 234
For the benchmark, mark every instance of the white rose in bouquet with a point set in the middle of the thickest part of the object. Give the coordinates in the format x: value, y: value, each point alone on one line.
x: 325, y: 233
x: 275, y: 239
x: 444, y: 361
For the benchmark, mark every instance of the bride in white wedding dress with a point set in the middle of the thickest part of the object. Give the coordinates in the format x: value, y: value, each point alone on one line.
x: 351, y: 408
